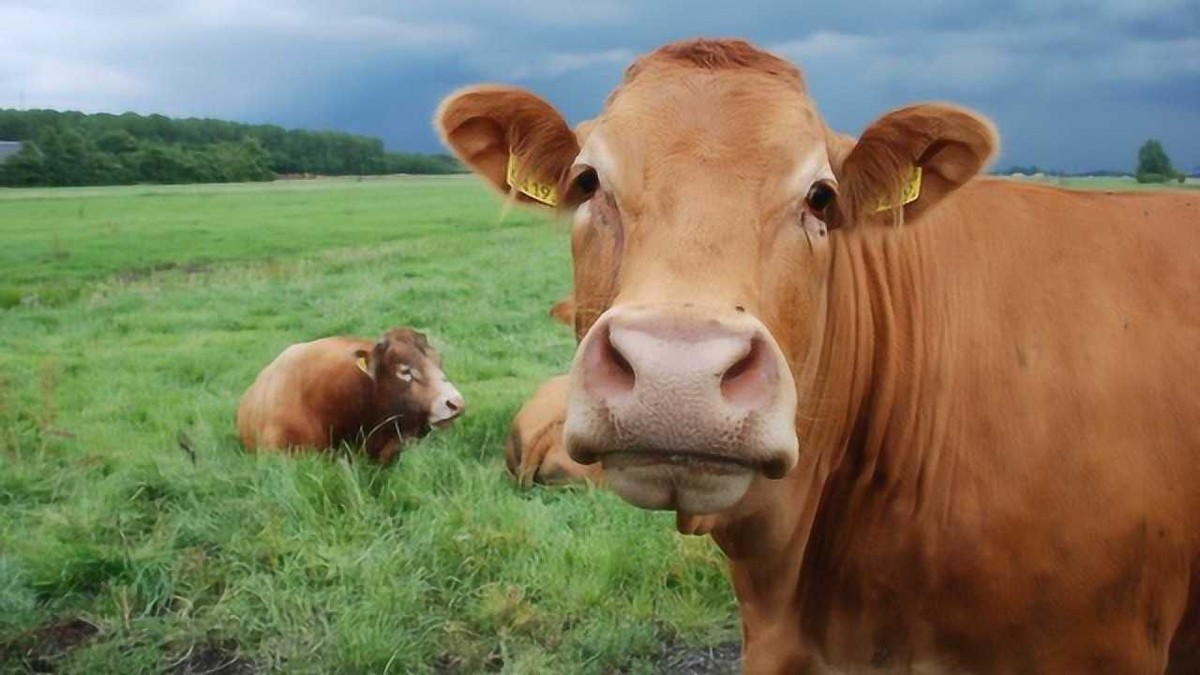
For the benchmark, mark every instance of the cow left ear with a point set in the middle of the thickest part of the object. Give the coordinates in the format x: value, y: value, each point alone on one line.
x: 911, y: 158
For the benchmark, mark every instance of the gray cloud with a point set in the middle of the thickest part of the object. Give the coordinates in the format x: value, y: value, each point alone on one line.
x: 1071, y: 84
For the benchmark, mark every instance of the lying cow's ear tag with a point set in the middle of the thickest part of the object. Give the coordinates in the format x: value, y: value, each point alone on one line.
x: 361, y: 362
x: 530, y: 187
x: 910, y: 193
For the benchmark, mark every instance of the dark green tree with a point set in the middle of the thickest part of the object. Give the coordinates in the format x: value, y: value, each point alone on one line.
x: 1153, y: 164
x: 71, y: 148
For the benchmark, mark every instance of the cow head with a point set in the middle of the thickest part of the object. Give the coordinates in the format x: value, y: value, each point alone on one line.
x: 411, y: 390
x: 535, y: 452
x: 707, y: 200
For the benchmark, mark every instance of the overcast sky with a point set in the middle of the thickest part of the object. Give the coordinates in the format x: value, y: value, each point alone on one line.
x: 1072, y: 84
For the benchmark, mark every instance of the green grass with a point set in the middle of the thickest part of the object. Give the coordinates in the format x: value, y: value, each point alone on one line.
x: 131, y: 315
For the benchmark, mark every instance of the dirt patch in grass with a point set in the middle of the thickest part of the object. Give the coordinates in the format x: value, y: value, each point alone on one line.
x: 680, y: 659
x: 449, y: 664
x: 213, y: 656
x: 138, y: 273
x: 39, y: 649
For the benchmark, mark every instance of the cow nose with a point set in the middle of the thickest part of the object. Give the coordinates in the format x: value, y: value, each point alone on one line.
x: 682, y: 406
x: 735, y: 363
x: 449, y: 405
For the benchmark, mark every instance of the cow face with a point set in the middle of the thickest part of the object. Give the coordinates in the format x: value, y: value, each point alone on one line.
x: 410, y: 387
x: 706, y: 199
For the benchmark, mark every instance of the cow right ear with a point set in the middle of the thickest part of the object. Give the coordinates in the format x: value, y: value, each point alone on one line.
x: 516, y: 141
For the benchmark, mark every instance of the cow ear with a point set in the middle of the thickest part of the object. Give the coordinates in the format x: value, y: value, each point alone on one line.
x: 362, y: 360
x: 516, y: 141
x: 563, y: 311
x: 911, y: 158
x: 377, y: 354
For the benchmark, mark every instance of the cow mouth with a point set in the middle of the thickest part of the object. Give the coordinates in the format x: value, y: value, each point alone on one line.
x: 687, y: 482
x: 706, y: 462
x: 702, y: 461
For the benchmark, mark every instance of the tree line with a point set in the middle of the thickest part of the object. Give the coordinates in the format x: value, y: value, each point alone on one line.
x: 73, y: 148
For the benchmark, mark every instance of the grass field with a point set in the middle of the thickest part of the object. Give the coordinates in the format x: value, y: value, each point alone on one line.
x: 129, y: 316
x: 132, y: 315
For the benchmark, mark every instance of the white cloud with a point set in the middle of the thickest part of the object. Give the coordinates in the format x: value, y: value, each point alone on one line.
x: 560, y: 63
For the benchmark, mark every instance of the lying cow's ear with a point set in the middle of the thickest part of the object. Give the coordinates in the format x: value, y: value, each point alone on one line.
x: 911, y: 158
x: 563, y: 311
x: 362, y: 362
x: 377, y: 355
x: 515, y: 140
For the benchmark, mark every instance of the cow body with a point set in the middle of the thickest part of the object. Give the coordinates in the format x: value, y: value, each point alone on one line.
x: 937, y: 423
x: 339, y: 390
x: 990, y: 487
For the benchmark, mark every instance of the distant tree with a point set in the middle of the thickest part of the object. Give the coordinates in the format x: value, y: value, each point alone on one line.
x: 1153, y: 164
x: 71, y: 148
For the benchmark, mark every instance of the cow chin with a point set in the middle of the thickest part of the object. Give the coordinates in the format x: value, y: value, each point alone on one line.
x: 678, y: 482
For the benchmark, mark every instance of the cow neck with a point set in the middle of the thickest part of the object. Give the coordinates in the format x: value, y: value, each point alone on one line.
x: 853, y: 435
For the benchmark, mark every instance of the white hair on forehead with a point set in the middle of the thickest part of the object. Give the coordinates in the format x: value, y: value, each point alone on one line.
x: 812, y: 166
x: 596, y: 154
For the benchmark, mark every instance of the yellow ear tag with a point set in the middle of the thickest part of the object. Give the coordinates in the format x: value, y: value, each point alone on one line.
x: 362, y: 365
x: 538, y: 191
x: 910, y: 193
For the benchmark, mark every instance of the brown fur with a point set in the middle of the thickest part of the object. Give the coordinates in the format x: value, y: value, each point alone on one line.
x: 563, y: 311
x: 314, y: 396
x: 1000, y: 461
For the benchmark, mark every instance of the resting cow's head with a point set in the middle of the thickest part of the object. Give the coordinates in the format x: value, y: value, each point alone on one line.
x: 705, y: 200
x: 410, y: 386
x: 535, y: 452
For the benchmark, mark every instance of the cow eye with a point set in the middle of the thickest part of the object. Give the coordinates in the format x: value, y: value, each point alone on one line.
x: 582, y: 184
x: 820, y: 197
x: 406, y: 373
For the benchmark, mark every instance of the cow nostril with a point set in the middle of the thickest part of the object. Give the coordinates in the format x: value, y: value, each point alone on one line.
x: 608, y: 371
x: 452, y: 405
x: 743, y: 381
x: 618, y: 359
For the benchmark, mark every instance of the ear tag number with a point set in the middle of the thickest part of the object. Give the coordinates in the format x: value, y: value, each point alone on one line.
x: 534, y: 189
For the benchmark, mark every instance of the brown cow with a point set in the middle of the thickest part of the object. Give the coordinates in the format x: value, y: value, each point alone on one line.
x: 535, y: 452
x: 945, y: 423
x: 338, y: 390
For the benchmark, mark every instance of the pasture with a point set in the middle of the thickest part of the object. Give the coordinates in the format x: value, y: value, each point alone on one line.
x: 135, y: 316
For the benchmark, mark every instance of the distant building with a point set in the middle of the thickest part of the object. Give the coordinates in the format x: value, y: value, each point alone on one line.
x: 8, y: 149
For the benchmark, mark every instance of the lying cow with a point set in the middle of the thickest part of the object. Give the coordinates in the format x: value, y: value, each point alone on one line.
x: 938, y: 423
x: 535, y: 452
x: 337, y: 390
